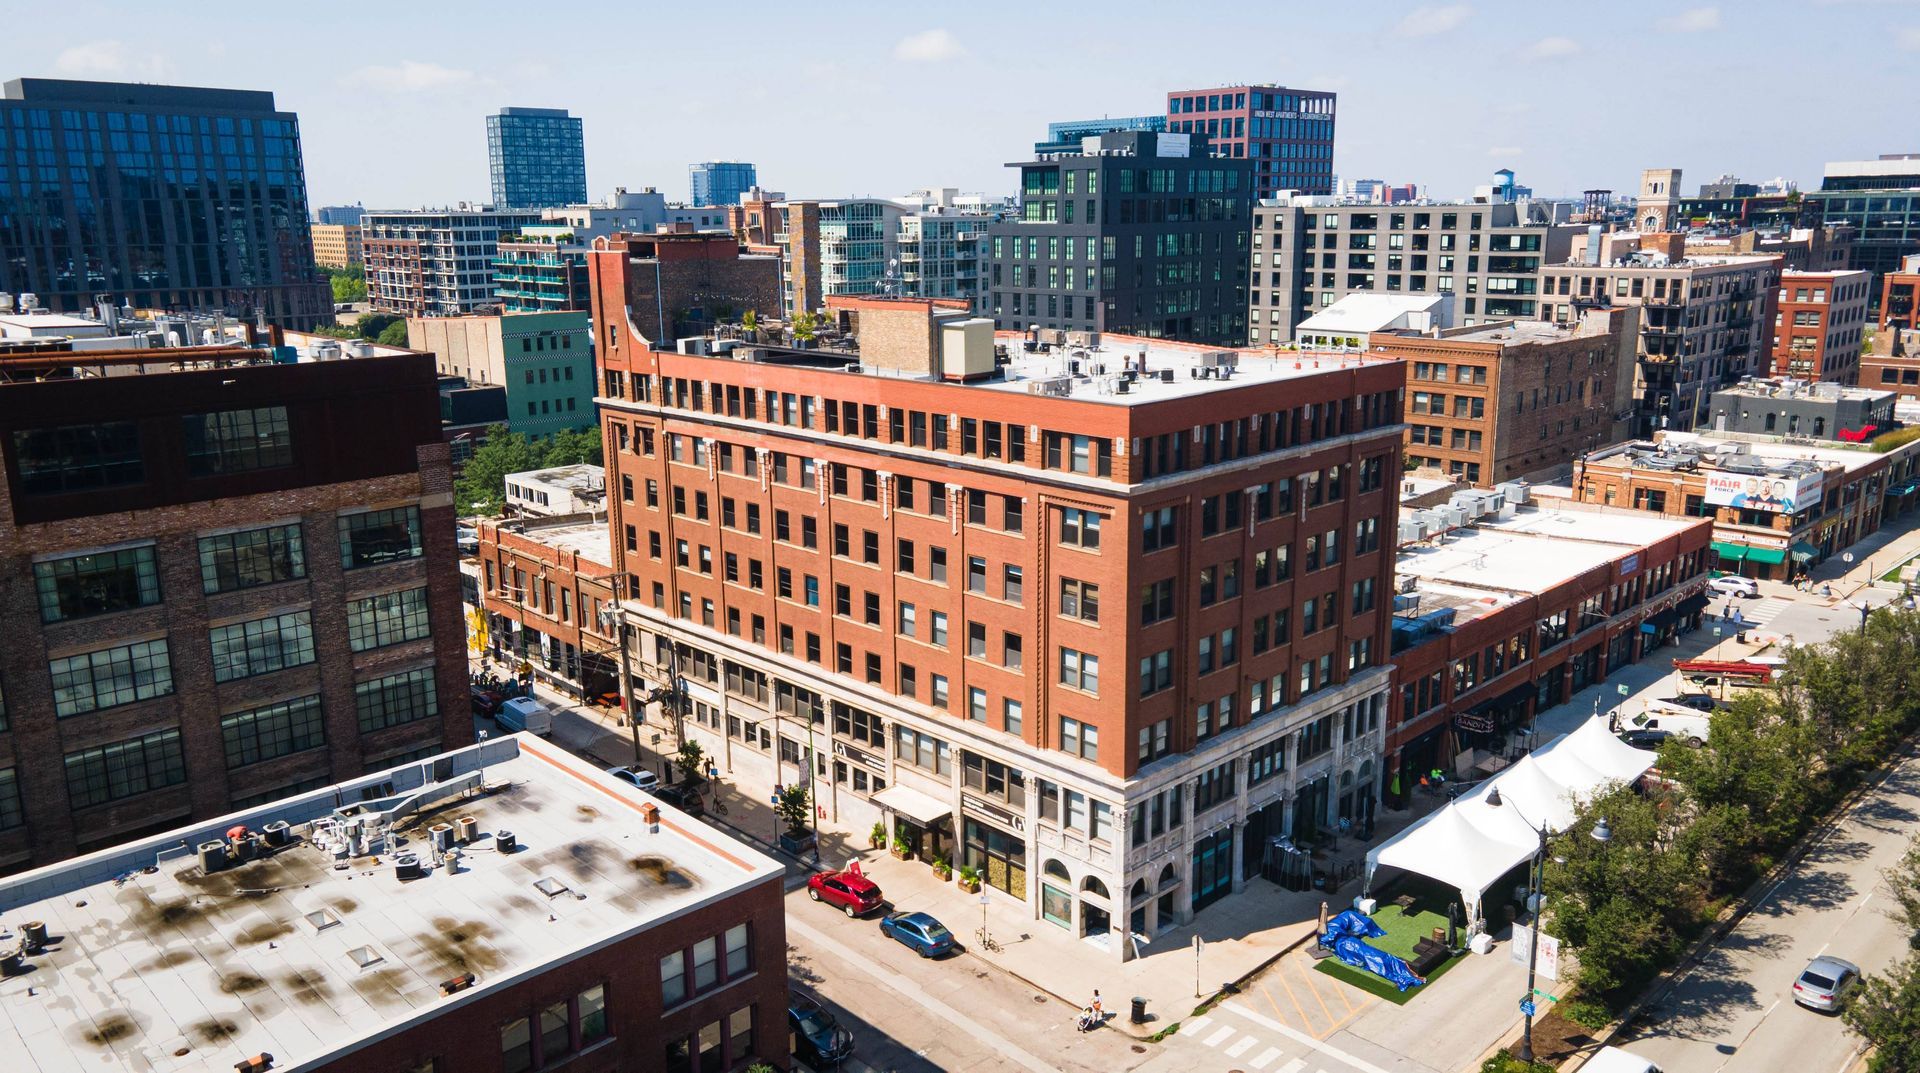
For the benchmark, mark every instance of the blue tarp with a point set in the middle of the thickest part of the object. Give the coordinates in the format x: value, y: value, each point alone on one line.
x: 1343, y: 936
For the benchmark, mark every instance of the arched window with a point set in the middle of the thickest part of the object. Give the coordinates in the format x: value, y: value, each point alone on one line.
x: 1169, y: 878
x: 1138, y: 893
x: 1092, y: 885
x: 1057, y: 870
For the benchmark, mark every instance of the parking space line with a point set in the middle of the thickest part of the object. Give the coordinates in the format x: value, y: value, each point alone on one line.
x: 1291, y: 997
x: 1321, y: 1001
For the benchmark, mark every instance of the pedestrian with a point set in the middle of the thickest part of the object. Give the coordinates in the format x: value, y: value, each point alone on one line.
x: 1098, y: 1013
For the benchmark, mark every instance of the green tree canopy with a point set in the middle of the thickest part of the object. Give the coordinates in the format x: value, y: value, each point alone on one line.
x: 394, y: 334
x: 482, y: 489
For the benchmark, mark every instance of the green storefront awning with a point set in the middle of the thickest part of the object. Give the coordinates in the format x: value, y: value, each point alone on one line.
x: 1733, y: 553
x: 1768, y: 556
x: 1803, y: 551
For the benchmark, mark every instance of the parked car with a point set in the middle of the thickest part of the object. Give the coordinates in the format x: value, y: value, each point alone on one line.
x: 467, y: 540
x: 1645, y: 739
x: 1744, y: 587
x: 525, y: 713
x: 485, y: 701
x: 918, y: 932
x: 1824, y: 983
x: 1699, y: 702
x: 850, y: 891
x: 1684, y: 723
x: 818, y: 1039
x: 684, y: 798
x: 642, y: 778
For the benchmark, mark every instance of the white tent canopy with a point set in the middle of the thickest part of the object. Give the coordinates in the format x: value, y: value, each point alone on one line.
x: 1470, y: 844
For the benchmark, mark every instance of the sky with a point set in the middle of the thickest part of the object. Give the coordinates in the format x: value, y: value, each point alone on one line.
x: 834, y: 99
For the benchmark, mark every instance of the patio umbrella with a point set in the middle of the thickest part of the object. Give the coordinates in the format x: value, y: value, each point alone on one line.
x: 1323, y: 918
x: 1453, y: 925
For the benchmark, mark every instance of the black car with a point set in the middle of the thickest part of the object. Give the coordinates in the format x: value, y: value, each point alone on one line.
x: 1699, y: 702
x: 1646, y: 739
x: 684, y: 798
x: 818, y: 1040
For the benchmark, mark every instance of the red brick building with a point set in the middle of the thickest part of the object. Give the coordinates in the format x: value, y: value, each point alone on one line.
x: 1900, y: 298
x: 543, y: 585
x: 1819, y: 324
x: 542, y: 916
x: 221, y: 580
x: 672, y: 282
x: 1518, y: 611
x: 1097, y: 618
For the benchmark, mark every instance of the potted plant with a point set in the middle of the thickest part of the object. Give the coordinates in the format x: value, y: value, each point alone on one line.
x: 796, y: 810
x: 970, y: 879
x: 901, y: 849
x: 691, y: 760
x: 878, y: 836
x: 943, y: 868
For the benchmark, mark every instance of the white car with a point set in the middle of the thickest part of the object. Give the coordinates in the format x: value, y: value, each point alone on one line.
x: 1744, y: 587
x: 641, y: 778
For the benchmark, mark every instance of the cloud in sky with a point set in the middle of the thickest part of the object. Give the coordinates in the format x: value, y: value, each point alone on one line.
x: 1692, y: 21
x: 929, y: 46
x: 1427, y: 21
x: 1548, y: 48
x: 408, y: 76
x: 109, y: 59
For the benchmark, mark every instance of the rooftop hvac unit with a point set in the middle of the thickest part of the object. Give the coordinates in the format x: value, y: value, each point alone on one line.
x: 1455, y: 516
x: 1055, y: 386
x: 695, y: 345
x: 1166, y: 376
x: 1410, y: 532
x: 1515, y: 491
x: 1405, y: 601
x: 1218, y: 359
x: 1409, y: 583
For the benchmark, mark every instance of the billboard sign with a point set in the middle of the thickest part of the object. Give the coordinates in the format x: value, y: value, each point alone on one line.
x: 1749, y: 491
x: 1173, y: 144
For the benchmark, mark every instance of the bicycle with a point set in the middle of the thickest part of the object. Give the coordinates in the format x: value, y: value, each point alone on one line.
x: 714, y: 801
x: 986, y: 941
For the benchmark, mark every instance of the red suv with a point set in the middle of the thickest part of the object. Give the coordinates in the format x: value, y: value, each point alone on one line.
x: 850, y: 890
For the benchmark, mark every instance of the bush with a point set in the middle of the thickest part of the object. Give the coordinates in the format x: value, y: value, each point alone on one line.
x: 1587, y: 1013
x: 1502, y: 1062
x: 1888, y: 442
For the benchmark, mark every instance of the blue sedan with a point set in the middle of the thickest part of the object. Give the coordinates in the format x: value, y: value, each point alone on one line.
x: 918, y: 932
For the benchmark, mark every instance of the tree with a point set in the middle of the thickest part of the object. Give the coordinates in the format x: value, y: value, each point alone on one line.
x: 795, y: 809
x: 1885, y: 1010
x: 1903, y: 879
x: 691, y: 760
x: 806, y: 326
x: 349, y: 283
x: 482, y: 487
x: 394, y: 334
x: 371, y: 325
x: 750, y: 322
x: 573, y: 447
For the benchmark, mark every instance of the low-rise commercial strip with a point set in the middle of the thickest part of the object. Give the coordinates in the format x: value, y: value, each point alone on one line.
x: 500, y: 906
x: 1506, y: 607
x: 543, y: 585
x: 1778, y: 508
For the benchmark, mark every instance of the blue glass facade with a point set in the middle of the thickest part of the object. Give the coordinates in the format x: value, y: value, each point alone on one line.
x: 719, y: 182
x: 537, y: 158
x: 1065, y: 137
x: 157, y: 196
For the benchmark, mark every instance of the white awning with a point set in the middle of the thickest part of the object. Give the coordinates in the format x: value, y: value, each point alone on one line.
x: 906, y: 801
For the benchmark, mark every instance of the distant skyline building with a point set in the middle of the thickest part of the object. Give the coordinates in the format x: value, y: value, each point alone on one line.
x: 339, y: 215
x: 719, y: 182
x: 435, y: 262
x: 537, y: 158
x: 1064, y: 137
x: 1882, y: 198
x: 1286, y: 133
x: 174, y: 197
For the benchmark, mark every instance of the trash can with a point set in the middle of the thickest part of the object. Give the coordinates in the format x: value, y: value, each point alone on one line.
x: 1139, y: 1015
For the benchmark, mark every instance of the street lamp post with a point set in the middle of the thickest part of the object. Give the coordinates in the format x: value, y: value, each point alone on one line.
x: 1536, y: 903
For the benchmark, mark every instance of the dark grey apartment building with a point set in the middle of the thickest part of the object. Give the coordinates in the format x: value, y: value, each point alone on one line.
x: 171, y: 197
x: 1309, y: 252
x: 1136, y: 232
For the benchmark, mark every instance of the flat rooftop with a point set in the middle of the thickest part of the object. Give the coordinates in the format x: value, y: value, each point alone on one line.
x: 1530, y: 553
x: 1778, y: 453
x: 579, y: 478
x: 587, y: 538
x: 153, y: 963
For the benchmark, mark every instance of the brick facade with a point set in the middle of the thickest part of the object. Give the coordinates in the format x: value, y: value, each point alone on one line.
x: 671, y: 275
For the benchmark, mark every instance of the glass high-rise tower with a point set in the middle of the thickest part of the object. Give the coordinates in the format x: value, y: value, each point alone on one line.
x: 170, y: 197
x: 719, y: 182
x: 537, y: 157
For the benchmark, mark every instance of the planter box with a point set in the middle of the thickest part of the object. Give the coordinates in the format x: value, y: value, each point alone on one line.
x: 796, y: 845
x: 901, y: 854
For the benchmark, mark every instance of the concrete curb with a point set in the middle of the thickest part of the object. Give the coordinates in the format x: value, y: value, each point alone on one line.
x: 1722, y: 925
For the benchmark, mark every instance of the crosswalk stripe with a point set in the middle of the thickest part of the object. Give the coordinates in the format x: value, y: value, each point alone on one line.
x: 1244, y: 1045
x: 1215, y: 1039
x: 1198, y: 1023
x: 1294, y: 1066
x: 1265, y: 1058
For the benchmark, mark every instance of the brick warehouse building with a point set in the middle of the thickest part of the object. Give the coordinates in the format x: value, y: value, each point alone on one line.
x: 572, y: 923
x: 214, y: 592
x: 543, y: 584
x: 674, y: 282
x: 891, y: 577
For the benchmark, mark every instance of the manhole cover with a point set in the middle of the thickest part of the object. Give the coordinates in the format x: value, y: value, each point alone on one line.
x: 1040, y: 999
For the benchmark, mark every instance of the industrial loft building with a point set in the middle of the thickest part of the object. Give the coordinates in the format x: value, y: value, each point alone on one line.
x: 1097, y: 618
x: 720, y: 182
x: 1286, y: 134
x: 1498, y: 402
x: 223, y: 579
x: 1882, y: 199
x: 505, y: 906
x: 544, y: 361
x: 435, y: 262
x: 337, y: 245
x: 1893, y: 363
x: 1309, y: 253
x: 679, y: 283
x: 163, y: 197
x: 536, y: 158
x: 1137, y: 233
x: 1505, y: 609
x: 1704, y: 321
x: 1819, y: 323
x: 1778, y: 507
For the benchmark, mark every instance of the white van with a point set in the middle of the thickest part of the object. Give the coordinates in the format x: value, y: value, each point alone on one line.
x: 1683, y: 723
x: 1615, y: 1060
x: 525, y: 713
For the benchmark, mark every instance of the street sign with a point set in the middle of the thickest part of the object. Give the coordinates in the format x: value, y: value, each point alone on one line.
x: 1542, y: 994
x: 1526, y: 1006
x: 1623, y: 690
x: 1716, y: 631
x: 985, y: 900
x: 1847, y: 558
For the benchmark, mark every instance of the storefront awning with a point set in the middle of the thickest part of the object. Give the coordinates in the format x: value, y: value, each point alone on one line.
x: 1733, y: 553
x: 914, y: 805
x: 1768, y: 556
x: 1694, y: 603
x: 1803, y: 551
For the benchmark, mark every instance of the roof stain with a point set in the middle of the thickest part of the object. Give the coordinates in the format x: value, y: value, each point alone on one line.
x: 457, y: 946
x: 110, y: 1028
x: 267, y: 932
x: 214, y: 1031
x: 661, y: 871
x: 308, y: 986
x: 239, y: 983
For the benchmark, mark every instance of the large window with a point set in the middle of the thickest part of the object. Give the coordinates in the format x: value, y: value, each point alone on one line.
x: 76, y: 458
x: 263, y: 645
x: 76, y: 586
x: 235, y: 441
x: 11, y: 814
x: 275, y: 730
x: 398, y: 698
x: 124, y: 768
x: 251, y: 557
x: 387, y: 619
x: 110, y: 676
x: 373, y: 537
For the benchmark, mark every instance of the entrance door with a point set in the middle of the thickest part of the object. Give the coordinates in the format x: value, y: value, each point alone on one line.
x: 1095, y: 922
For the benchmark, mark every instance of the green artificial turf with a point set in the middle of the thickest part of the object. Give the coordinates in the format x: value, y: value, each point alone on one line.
x: 1403, y: 931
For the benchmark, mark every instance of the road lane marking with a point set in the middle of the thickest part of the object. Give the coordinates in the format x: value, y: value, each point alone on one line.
x: 1246, y: 1044
x: 901, y: 984
x: 1265, y: 1058
x: 1214, y: 1040
x: 1298, y: 1036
